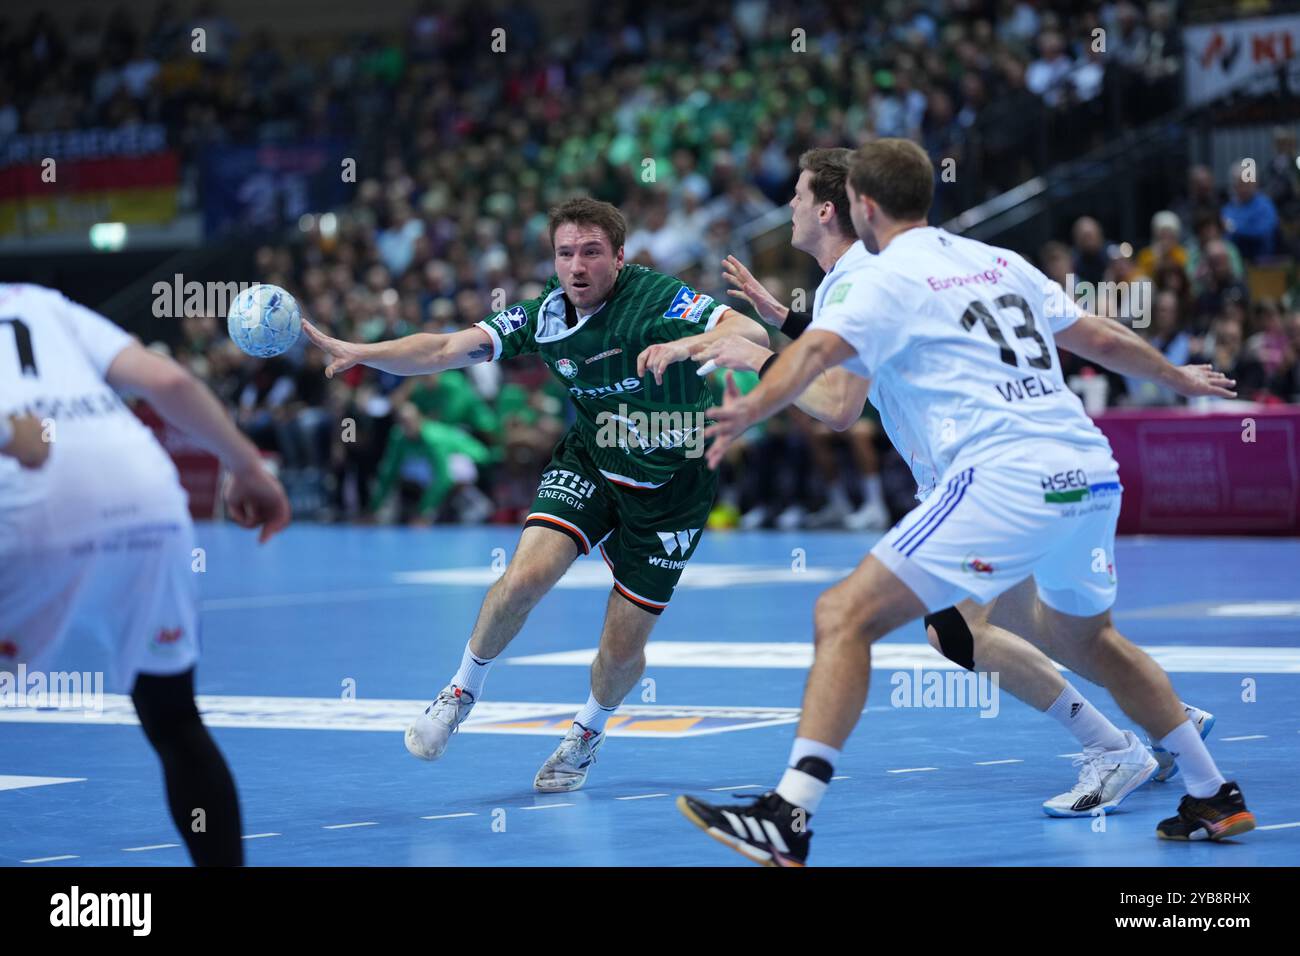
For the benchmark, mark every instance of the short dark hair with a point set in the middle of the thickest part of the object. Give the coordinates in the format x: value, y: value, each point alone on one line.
x: 830, y: 169
x: 897, y: 175
x: 591, y: 212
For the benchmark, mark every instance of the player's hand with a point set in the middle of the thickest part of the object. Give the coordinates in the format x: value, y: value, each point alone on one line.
x: 752, y: 291
x: 28, y: 444
x: 255, y: 498
x: 656, y: 358
x: 729, y: 423
x: 1196, y: 380
x: 342, y: 355
x: 734, y: 352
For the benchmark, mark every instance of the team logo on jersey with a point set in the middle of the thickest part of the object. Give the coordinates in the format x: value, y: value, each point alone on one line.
x: 974, y: 565
x: 688, y: 305
x: 839, y: 293
x: 510, y: 320
x: 168, y: 636
x: 603, y: 355
x: 566, y: 367
x: 672, y: 540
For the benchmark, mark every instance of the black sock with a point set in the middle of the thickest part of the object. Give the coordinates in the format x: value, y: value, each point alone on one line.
x: 195, y: 772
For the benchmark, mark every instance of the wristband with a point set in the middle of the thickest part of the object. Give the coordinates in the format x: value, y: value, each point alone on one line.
x: 795, y: 323
x: 766, y: 365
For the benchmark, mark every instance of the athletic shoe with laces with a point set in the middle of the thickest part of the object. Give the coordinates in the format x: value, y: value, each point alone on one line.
x: 768, y: 830
x: 427, y: 737
x: 870, y: 517
x: 1106, y: 777
x: 1209, y: 818
x: 1202, y: 720
x: 567, y: 768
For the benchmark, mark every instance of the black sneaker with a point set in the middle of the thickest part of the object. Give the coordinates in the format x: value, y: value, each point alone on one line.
x: 1209, y: 818
x: 769, y: 830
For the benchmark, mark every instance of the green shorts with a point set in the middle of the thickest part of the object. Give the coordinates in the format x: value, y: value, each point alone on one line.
x: 646, y: 535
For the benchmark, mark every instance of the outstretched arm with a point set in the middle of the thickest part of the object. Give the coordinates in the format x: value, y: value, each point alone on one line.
x: 835, y: 397
x: 1114, y: 346
x: 793, y: 371
x: 418, y: 354
x: 655, y: 358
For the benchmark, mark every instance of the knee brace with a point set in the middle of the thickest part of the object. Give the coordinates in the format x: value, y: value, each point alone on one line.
x: 955, y: 639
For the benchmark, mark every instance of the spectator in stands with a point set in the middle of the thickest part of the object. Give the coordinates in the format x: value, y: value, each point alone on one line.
x: 1049, y: 75
x: 1282, y: 186
x: 1090, y: 257
x: 1216, y: 285
x: 1250, y: 215
x: 1269, y: 344
x: 1202, y: 198
x: 1166, y: 245
x: 1209, y: 229
x: 429, y: 461
x: 1168, y: 335
x: 1223, y: 349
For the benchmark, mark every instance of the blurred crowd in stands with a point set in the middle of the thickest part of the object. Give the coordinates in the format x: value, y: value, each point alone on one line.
x: 691, y: 118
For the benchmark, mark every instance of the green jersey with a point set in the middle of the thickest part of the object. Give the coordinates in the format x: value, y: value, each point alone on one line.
x: 636, y: 432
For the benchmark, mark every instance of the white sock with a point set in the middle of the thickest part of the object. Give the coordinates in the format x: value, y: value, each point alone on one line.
x: 872, y: 491
x: 473, y: 673
x: 594, y: 714
x: 1200, y: 775
x: 801, y: 789
x: 839, y: 497
x: 807, y: 747
x: 1088, y: 725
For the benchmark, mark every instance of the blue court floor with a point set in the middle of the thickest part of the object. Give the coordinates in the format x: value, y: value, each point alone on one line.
x: 320, y: 647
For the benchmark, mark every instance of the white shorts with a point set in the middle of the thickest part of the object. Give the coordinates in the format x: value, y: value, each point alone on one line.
x: 1049, y: 511
x: 132, y: 587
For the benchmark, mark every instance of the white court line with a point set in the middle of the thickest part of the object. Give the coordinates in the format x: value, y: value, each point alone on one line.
x: 990, y: 763
x: 259, y: 836
x: 1069, y: 755
x: 546, y: 806
x: 448, y: 816
x: 911, y: 770
x: 843, y: 776
x: 346, y: 826
x: 1247, y: 737
x: 743, y: 786
x: 1271, y: 826
x: 52, y: 859
x: 642, y: 796
x: 141, y: 849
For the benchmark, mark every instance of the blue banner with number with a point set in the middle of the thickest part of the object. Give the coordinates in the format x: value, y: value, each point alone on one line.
x: 265, y: 187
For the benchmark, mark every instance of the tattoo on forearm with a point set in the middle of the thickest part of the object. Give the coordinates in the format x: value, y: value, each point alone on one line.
x: 483, y: 351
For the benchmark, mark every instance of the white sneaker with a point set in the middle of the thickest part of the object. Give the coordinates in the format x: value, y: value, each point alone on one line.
x: 1106, y: 777
x: 754, y: 518
x: 1202, y: 720
x: 831, y: 515
x: 566, y: 769
x: 791, y: 519
x: 427, y: 737
x: 870, y: 517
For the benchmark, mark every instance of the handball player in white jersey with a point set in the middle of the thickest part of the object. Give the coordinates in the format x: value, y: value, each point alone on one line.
x: 95, y: 531
x: 1113, y: 763
x: 958, y: 339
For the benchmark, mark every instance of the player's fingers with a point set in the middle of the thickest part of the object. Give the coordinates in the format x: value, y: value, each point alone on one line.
x: 641, y: 361
x: 733, y: 390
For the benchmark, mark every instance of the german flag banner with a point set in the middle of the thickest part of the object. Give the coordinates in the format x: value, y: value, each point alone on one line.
x: 82, y: 181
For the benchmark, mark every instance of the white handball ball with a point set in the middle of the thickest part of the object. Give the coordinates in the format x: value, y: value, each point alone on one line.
x: 264, y: 321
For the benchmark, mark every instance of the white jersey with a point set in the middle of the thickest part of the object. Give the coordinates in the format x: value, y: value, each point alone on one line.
x: 957, y: 338
x: 105, y: 468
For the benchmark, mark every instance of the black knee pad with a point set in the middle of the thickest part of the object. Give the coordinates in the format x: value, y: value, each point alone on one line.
x: 955, y: 639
